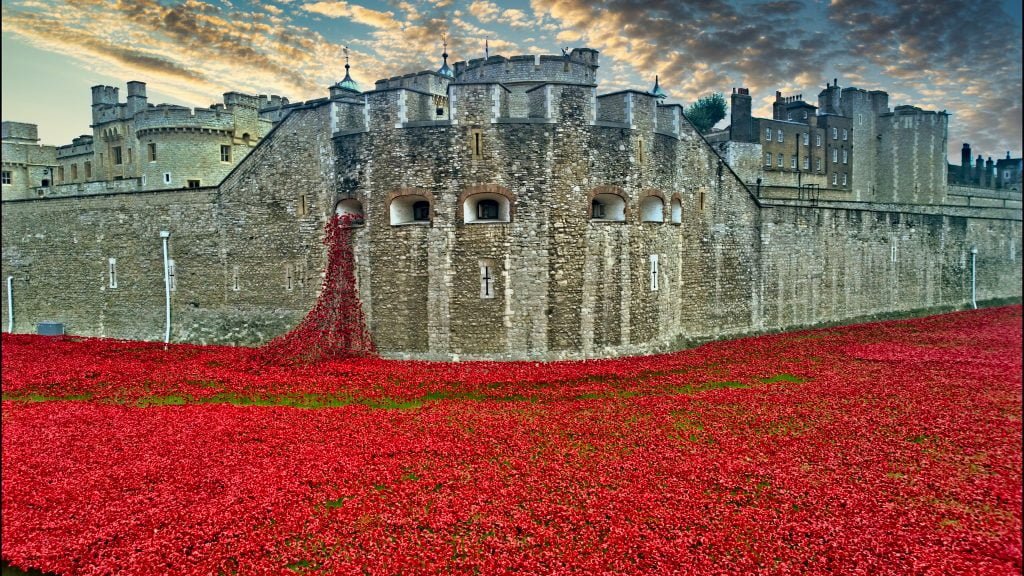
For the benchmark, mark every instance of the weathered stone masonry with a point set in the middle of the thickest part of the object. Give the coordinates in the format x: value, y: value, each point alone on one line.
x: 249, y: 260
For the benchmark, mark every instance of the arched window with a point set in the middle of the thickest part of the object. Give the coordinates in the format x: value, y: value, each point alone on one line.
x: 351, y: 212
x: 410, y: 209
x: 652, y: 209
x: 677, y: 211
x: 608, y: 207
x: 485, y: 207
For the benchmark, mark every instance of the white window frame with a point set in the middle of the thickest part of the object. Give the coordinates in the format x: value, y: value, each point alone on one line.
x: 844, y: 178
x: 846, y: 156
x: 817, y: 140
x: 807, y: 139
x: 780, y: 134
x: 845, y: 134
x: 782, y: 161
x: 817, y: 164
x: 807, y: 163
x: 792, y: 162
x: 768, y: 134
x: 487, y: 278
x: 111, y: 272
x: 172, y: 275
x: 768, y: 159
x: 835, y: 155
x: 654, y: 272
x: 835, y: 178
x: 225, y: 150
x: 835, y: 133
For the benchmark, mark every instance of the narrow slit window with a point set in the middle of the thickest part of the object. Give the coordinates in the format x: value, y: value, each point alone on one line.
x: 234, y: 278
x: 167, y: 177
x: 640, y: 150
x: 112, y: 273
x: 289, y: 278
x: 476, y: 138
x: 152, y: 151
x: 302, y: 208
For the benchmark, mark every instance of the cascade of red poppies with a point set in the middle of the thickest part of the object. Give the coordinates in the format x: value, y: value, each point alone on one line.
x: 336, y: 326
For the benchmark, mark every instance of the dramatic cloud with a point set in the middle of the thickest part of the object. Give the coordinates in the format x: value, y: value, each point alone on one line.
x: 957, y: 55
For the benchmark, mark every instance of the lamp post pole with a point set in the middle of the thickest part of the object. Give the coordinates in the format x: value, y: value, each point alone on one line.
x: 165, y: 235
x: 974, y: 277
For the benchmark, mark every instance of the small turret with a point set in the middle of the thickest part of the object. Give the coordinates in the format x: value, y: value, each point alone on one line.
x: 136, y: 97
x: 445, y: 70
x: 657, y: 92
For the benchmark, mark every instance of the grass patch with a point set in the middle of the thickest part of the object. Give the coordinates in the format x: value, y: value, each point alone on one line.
x: 691, y: 389
x: 783, y: 377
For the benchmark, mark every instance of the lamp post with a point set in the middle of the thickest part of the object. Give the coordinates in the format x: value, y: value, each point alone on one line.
x: 974, y: 277
x: 165, y: 235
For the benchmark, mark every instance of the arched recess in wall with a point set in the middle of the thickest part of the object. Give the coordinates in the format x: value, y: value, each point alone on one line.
x: 677, y: 208
x: 411, y: 206
x: 652, y: 206
x: 607, y: 204
x: 486, y: 204
x: 352, y: 208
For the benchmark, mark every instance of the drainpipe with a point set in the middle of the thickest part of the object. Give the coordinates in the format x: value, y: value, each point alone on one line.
x: 10, y: 305
x: 974, y: 276
x: 164, y: 235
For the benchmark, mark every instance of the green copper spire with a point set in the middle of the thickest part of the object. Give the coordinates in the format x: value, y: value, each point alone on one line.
x: 347, y: 82
x: 657, y: 92
x: 445, y: 69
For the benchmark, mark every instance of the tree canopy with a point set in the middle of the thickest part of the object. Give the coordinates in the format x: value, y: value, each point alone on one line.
x: 706, y: 112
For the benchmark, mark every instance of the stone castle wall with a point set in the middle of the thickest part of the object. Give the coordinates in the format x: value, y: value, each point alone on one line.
x: 248, y: 254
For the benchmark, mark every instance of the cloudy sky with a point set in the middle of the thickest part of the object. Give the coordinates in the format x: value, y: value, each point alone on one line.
x: 963, y: 56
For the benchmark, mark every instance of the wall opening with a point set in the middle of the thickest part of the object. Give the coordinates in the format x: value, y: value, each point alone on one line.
x: 485, y: 208
x: 351, y: 212
x: 410, y: 209
x: 608, y: 207
x: 677, y: 211
x: 652, y: 209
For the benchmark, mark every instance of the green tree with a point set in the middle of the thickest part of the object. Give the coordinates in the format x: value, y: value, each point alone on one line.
x: 706, y: 112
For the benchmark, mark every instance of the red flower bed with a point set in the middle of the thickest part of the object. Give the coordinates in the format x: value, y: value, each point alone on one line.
x: 887, y: 448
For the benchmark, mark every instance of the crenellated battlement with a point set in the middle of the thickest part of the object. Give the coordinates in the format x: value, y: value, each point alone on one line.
x: 168, y: 116
x: 578, y: 66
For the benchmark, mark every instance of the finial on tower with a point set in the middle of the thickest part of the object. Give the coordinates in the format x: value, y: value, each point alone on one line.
x: 347, y: 82
x: 487, y: 49
x: 657, y: 92
x: 445, y: 70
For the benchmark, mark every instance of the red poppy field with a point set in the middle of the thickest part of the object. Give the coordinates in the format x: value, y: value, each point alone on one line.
x: 884, y: 448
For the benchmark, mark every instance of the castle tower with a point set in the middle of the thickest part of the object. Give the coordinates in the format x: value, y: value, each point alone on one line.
x: 102, y: 97
x: 741, y: 127
x: 965, y: 163
x: 136, y: 97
